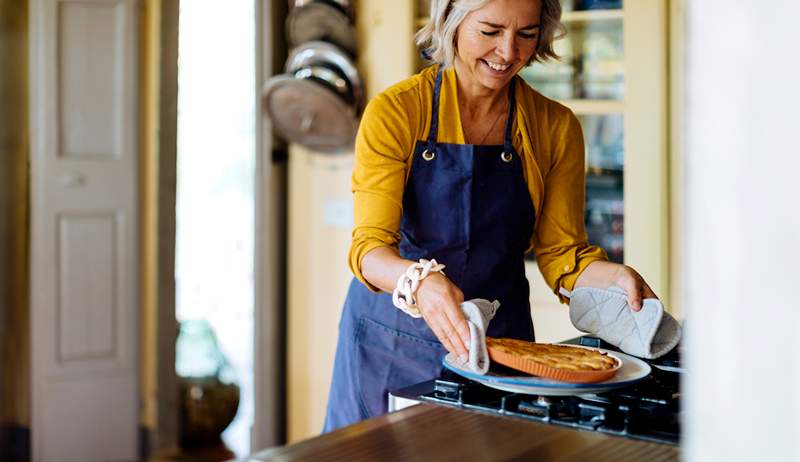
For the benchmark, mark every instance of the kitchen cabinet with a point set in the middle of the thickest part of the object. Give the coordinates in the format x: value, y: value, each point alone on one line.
x: 633, y: 103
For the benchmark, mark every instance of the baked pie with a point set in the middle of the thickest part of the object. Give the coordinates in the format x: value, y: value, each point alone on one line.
x: 559, y: 362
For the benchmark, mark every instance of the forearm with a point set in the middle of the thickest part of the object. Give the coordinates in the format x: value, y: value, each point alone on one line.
x: 438, y: 298
x: 382, y: 267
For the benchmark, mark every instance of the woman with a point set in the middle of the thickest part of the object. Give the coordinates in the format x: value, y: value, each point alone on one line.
x: 465, y: 164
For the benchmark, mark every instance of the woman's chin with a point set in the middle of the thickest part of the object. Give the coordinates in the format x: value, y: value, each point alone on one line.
x: 495, y: 82
x: 491, y: 78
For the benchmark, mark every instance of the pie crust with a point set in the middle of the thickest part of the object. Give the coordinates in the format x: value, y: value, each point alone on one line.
x: 558, y: 362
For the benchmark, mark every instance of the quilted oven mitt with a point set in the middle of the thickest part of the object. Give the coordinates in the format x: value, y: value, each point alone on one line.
x: 649, y: 333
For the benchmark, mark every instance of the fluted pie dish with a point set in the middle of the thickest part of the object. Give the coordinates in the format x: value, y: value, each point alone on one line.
x: 565, y: 363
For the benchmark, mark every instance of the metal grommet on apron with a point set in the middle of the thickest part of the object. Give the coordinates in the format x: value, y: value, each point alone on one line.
x: 468, y: 211
x: 506, y: 157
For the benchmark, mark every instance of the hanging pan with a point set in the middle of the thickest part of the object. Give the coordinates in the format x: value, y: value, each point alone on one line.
x: 317, y: 100
x: 327, y: 20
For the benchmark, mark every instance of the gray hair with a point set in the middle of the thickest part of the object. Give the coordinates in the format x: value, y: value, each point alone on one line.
x: 438, y: 37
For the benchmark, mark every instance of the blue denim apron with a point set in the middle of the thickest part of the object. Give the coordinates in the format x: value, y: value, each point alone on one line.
x: 467, y: 206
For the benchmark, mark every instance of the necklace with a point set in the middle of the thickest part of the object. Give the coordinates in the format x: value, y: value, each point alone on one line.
x: 486, y: 135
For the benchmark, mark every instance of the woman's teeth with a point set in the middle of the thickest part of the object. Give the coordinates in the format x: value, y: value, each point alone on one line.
x: 497, y: 67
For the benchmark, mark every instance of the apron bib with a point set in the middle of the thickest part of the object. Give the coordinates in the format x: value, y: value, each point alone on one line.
x: 467, y: 206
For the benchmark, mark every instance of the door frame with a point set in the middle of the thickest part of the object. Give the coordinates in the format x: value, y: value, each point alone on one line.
x: 269, y: 356
x: 159, y: 88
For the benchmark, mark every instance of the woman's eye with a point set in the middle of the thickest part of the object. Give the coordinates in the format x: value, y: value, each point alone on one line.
x: 528, y: 36
x: 489, y: 33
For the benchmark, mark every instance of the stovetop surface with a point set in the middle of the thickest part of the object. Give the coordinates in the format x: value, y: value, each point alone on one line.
x: 648, y: 410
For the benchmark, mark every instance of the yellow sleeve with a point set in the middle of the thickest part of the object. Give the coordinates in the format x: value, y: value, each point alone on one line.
x: 383, y: 147
x: 560, y: 242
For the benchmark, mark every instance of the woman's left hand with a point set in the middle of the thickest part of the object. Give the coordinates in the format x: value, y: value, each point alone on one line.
x: 604, y: 274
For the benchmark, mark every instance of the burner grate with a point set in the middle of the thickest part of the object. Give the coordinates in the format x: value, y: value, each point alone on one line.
x: 648, y: 412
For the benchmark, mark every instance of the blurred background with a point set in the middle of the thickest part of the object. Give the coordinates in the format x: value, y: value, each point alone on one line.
x: 175, y: 208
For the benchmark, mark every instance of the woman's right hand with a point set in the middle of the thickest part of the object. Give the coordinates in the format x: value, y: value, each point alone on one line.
x: 440, y: 300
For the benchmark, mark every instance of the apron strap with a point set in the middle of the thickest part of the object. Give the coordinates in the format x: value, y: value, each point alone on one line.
x: 508, y: 146
x: 434, y: 131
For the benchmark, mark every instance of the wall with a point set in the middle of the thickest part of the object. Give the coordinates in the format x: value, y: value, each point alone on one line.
x: 14, y: 330
x: 742, y: 232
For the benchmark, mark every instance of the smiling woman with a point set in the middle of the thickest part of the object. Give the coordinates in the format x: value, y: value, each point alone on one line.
x: 488, y: 46
x: 438, y: 35
x: 465, y: 165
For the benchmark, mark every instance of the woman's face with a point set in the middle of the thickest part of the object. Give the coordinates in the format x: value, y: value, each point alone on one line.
x: 496, y: 41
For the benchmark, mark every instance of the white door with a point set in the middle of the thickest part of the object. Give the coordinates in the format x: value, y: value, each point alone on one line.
x: 84, y: 229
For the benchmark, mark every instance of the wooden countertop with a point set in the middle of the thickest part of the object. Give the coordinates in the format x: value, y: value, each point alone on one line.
x: 431, y: 432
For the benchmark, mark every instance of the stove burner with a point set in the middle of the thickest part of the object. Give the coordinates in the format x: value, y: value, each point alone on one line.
x: 649, y: 410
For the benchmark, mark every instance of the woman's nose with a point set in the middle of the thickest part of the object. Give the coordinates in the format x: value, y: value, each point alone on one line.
x: 507, y: 49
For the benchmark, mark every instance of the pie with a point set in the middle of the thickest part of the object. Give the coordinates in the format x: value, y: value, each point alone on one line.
x: 559, y: 362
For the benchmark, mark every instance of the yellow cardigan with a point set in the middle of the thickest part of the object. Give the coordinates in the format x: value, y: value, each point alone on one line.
x: 546, y: 135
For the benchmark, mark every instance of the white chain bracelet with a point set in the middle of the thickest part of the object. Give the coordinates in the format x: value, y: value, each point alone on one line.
x: 408, y: 283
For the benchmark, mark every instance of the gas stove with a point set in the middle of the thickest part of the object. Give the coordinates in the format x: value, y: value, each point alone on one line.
x: 649, y: 410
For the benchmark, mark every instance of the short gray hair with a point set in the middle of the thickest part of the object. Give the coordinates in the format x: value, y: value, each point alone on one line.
x: 438, y: 37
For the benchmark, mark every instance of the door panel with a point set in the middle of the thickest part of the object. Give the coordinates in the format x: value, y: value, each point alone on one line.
x: 91, y: 54
x: 98, y: 435
x: 86, y: 303
x: 84, y: 229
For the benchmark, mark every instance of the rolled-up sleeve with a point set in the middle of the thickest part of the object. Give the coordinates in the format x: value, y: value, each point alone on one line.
x: 382, y: 149
x: 560, y: 243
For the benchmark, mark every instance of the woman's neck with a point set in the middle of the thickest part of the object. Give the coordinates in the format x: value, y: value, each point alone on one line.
x: 475, y: 100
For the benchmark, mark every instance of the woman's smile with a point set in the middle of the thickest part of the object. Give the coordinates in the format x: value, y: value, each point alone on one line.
x: 495, y: 67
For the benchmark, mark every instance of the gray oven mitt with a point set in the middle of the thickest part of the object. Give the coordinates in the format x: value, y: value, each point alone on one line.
x: 478, y: 313
x: 648, y: 333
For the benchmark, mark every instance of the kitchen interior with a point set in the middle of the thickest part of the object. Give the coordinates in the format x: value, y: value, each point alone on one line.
x: 176, y: 215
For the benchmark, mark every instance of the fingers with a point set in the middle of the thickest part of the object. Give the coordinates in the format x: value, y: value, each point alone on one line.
x: 635, y: 301
x: 447, y: 334
x: 636, y: 288
x: 440, y: 334
x: 456, y: 317
x: 439, y: 301
x: 648, y: 292
x: 459, y: 322
x: 631, y: 283
x: 450, y: 330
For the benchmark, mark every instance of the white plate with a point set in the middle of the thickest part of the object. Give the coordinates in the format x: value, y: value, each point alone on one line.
x: 633, y: 370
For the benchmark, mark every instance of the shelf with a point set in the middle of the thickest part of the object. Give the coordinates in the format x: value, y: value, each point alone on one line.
x: 594, y: 106
x: 591, y: 15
